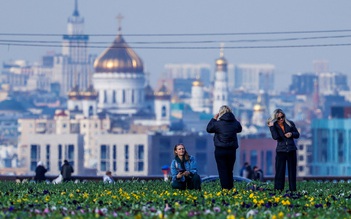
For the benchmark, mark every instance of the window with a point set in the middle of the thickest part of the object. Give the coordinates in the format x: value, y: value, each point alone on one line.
x: 133, y: 93
x: 103, y: 152
x: 70, y: 154
x: 114, y: 96
x: 105, y: 96
x: 139, y: 157
x: 104, y: 158
x: 164, y: 112
x: 123, y: 96
x: 114, y: 157
x: 126, y: 157
x: 253, y: 158
x: 300, y: 158
x: 34, y: 156
x: 59, y: 157
x: 91, y: 111
x: 48, y: 157
x: 301, y: 147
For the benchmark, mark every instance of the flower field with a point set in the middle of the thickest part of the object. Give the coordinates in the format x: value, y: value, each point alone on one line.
x: 155, y: 199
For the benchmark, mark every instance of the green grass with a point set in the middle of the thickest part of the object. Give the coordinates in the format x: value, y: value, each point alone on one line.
x: 156, y: 199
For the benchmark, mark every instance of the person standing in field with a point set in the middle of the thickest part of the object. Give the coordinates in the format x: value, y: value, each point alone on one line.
x: 225, y: 128
x: 66, y: 171
x: 40, y: 171
x: 284, y: 132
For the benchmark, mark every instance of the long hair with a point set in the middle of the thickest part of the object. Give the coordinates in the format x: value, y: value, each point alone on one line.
x: 274, y: 116
x: 223, y: 110
x: 186, y: 155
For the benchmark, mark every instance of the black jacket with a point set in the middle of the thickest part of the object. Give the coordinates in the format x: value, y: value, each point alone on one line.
x: 284, y: 144
x: 40, y: 173
x: 225, y: 130
x: 66, y: 171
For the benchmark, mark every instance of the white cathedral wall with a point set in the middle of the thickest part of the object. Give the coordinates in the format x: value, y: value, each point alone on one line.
x: 131, y: 85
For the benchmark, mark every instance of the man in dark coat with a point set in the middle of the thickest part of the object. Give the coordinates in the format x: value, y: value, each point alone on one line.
x: 66, y: 171
x: 225, y: 128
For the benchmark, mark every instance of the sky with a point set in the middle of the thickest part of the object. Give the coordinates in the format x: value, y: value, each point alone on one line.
x: 287, y: 34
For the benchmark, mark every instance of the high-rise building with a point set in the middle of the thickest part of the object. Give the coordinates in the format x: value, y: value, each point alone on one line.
x: 303, y: 83
x: 331, y: 147
x: 254, y: 77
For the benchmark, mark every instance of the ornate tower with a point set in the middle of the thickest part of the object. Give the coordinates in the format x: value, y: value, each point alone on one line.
x: 220, y: 88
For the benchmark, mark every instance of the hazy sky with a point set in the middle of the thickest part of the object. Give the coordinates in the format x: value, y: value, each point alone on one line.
x: 320, y: 22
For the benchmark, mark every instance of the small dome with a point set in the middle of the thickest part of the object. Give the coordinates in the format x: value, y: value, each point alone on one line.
x: 221, y: 64
x: 163, y: 93
x: 258, y: 107
x: 197, y: 83
x: 119, y: 57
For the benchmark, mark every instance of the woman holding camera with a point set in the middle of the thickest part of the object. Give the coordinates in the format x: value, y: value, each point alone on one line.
x: 183, y: 170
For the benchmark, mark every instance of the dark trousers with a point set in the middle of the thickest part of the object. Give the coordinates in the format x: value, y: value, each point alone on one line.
x: 281, y: 159
x: 225, y: 159
x: 191, y: 182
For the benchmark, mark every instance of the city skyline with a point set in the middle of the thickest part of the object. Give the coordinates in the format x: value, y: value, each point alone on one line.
x: 310, y: 31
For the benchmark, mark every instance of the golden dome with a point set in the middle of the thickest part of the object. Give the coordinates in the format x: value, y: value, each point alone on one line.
x: 119, y: 57
x: 221, y: 62
x: 162, y: 93
x: 197, y: 83
x: 258, y: 107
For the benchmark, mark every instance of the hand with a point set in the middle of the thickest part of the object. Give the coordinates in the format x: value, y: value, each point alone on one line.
x: 180, y: 174
x: 216, y: 116
x: 270, y: 124
x: 288, y: 134
x: 186, y: 173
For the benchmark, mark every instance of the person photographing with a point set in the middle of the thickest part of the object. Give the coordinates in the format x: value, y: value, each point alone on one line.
x: 184, y: 170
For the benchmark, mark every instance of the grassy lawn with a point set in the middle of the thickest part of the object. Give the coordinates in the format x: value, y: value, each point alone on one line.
x: 156, y: 199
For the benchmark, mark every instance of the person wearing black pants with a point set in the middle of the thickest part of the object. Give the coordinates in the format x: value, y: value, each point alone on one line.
x: 225, y: 128
x: 280, y: 165
x: 225, y: 159
x: 284, y: 132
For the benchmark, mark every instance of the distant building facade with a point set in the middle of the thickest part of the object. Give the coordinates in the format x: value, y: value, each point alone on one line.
x: 331, y: 147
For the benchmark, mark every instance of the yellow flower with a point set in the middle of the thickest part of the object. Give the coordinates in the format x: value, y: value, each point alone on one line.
x: 138, y: 216
x: 71, y: 195
x: 280, y: 215
x: 230, y: 216
x: 274, y: 216
x: 85, y: 195
x: 251, y: 195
